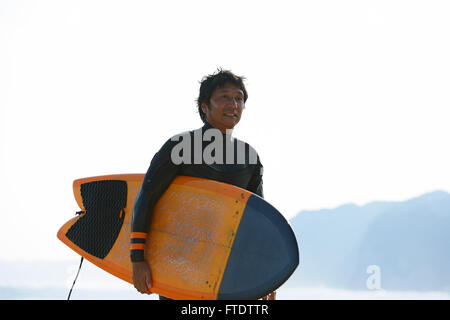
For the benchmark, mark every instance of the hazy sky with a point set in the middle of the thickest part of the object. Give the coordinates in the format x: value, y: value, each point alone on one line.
x: 347, y: 100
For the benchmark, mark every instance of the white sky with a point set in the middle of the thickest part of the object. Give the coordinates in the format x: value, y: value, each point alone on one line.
x: 347, y: 100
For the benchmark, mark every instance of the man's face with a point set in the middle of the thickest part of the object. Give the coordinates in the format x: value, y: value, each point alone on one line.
x: 225, y: 107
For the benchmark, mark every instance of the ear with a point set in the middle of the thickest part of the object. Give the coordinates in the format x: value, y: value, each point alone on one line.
x: 204, y: 107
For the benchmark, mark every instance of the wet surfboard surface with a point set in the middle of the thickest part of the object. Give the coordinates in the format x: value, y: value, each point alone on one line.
x: 207, y: 240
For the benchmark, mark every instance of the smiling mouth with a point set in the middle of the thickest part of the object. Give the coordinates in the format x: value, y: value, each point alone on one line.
x: 232, y: 115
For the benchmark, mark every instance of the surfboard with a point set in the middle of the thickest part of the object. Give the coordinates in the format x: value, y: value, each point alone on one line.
x: 207, y: 240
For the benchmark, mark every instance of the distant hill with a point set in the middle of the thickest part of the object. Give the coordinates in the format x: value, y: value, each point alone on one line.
x: 409, y: 241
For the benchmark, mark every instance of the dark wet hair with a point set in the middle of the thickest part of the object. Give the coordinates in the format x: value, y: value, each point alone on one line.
x: 216, y: 80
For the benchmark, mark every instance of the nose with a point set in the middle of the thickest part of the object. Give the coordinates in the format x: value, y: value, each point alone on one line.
x: 234, y: 103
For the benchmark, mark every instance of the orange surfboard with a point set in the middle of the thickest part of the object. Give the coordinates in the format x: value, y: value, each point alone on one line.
x: 207, y: 239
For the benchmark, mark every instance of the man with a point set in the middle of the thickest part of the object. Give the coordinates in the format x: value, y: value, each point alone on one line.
x: 220, y: 104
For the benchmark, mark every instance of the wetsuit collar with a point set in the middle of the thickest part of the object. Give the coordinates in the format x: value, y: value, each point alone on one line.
x: 207, y: 126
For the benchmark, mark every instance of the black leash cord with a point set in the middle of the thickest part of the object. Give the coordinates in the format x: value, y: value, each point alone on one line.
x: 79, y: 268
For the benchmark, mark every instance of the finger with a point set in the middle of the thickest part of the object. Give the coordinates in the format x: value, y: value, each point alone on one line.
x: 148, y: 281
x: 138, y: 287
x: 141, y: 287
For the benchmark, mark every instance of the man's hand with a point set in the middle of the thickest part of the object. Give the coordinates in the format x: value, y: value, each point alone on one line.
x: 270, y: 296
x: 142, y: 277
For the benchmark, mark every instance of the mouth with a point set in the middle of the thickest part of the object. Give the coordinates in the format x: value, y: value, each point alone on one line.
x: 231, y: 115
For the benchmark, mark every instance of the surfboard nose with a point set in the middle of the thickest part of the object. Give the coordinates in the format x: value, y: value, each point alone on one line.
x: 264, y: 254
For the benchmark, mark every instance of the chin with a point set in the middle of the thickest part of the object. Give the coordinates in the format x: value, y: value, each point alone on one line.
x: 232, y: 124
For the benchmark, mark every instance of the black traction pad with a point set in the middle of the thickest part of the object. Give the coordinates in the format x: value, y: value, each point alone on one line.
x: 97, y: 230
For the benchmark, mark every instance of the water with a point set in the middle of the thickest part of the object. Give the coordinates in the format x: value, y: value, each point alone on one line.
x: 290, y: 293
x: 52, y: 280
x: 324, y: 293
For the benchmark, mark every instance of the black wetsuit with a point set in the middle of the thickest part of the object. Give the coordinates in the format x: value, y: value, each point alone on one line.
x: 244, y: 171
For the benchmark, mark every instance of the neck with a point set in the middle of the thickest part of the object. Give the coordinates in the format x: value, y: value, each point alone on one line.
x: 226, y: 131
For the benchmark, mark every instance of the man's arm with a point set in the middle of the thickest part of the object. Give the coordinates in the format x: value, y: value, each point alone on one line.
x: 159, y: 176
x: 256, y: 181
